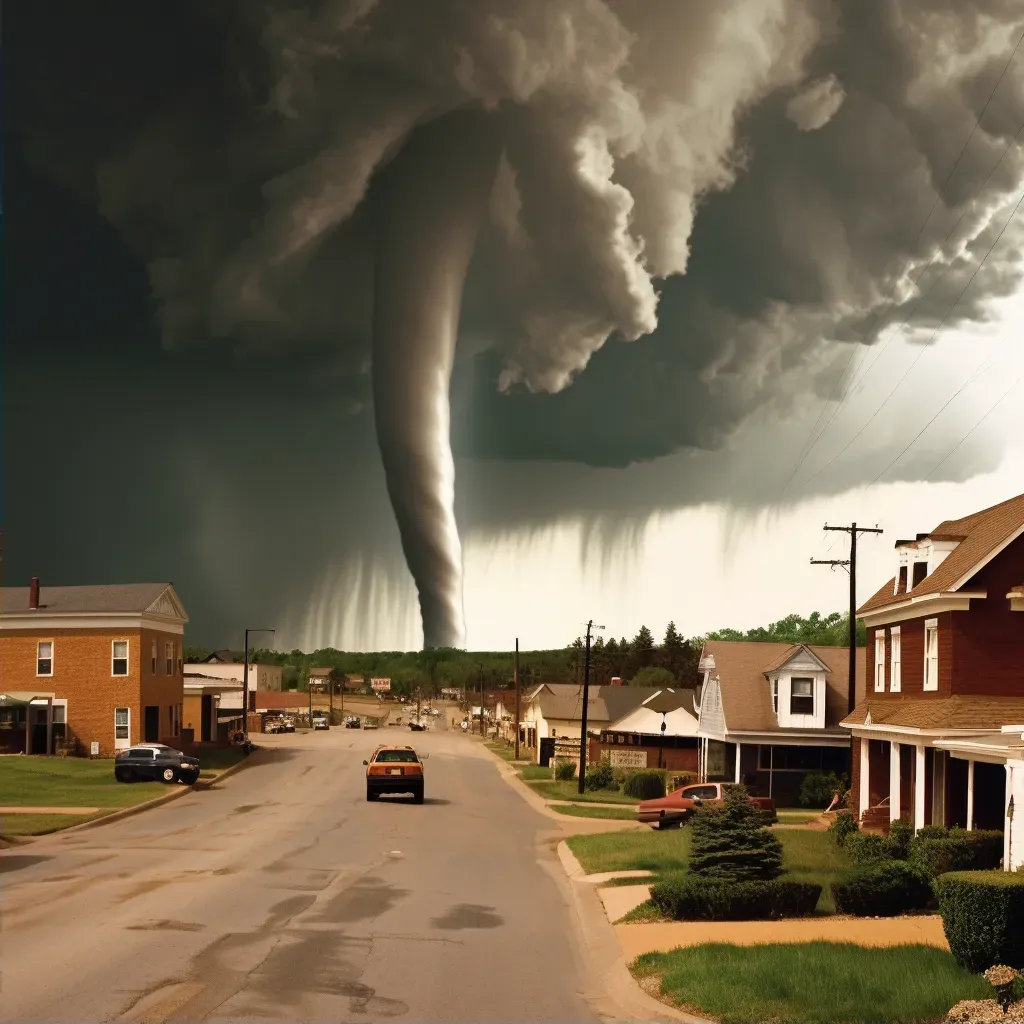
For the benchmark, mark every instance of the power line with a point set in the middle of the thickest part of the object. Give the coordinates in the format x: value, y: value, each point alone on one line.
x: 806, y: 450
x: 992, y: 408
x: 924, y: 348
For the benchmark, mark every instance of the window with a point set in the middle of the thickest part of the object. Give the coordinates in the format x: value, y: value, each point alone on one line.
x: 169, y: 659
x: 121, y: 719
x: 895, y: 666
x: 44, y: 658
x: 178, y: 651
x: 775, y: 695
x: 152, y: 654
x: 119, y: 658
x: 920, y: 571
x: 931, y: 654
x: 801, y: 697
x: 901, y: 581
x: 880, y: 661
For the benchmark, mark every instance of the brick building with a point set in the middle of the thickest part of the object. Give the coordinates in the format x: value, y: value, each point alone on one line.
x: 946, y: 676
x: 109, y: 659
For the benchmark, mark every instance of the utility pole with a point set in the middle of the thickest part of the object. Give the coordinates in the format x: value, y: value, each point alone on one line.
x: 518, y: 698
x: 245, y: 681
x: 850, y: 564
x: 586, y: 699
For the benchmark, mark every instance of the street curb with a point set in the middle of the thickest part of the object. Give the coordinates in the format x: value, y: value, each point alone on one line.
x: 602, y: 946
x: 127, y: 812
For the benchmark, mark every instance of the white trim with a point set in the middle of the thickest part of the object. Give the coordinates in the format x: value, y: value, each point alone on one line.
x: 48, y: 623
x: 1016, y: 602
x: 798, y: 738
x: 998, y: 550
x: 739, y: 755
x: 919, y: 780
x: 123, y: 744
x: 970, y: 794
x: 877, y: 730
x: 895, y: 660
x: 879, y: 661
x: 865, y: 776
x: 168, y: 658
x: 931, y: 628
x: 915, y: 607
x: 53, y: 651
x: 894, y: 780
x: 127, y: 658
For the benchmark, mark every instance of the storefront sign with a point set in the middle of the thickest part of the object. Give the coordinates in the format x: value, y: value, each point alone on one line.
x: 629, y: 758
x: 381, y: 684
x: 567, y: 749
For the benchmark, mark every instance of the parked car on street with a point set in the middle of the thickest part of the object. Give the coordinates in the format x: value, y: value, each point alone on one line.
x: 155, y: 762
x: 320, y: 722
x: 417, y: 727
x: 395, y: 769
x: 353, y: 722
x: 678, y: 807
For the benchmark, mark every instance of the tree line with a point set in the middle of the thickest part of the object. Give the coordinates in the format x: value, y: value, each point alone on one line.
x: 639, y: 661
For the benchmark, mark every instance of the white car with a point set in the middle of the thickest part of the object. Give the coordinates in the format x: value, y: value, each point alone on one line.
x: 320, y: 722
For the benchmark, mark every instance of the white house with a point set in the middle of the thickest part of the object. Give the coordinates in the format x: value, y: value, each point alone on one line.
x: 261, y: 677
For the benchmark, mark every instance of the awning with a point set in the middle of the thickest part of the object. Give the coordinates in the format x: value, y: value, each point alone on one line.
x: 22, y: 698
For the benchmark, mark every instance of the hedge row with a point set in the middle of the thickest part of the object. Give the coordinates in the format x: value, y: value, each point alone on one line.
x: 883, y: 890
x: 697, y: 899
x: 983, y: 917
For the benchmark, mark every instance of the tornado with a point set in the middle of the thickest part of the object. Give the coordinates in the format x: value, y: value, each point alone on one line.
x: 430, y: 201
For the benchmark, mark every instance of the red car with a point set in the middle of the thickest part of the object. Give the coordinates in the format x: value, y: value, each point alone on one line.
x: 673, y: 810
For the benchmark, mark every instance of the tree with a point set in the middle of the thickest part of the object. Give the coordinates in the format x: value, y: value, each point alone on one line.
x: 654, y: 675
x: 729, y: 841
x: 828, y: 631
x: 643, y: 646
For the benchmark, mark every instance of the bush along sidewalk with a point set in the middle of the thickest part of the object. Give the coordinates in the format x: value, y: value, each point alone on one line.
x: 983, y: 917
x: 883, y: 890
x: 729, y: 841
x: 687, y: 898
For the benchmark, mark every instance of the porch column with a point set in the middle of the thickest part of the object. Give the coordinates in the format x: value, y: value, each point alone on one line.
x: 970, y: 796
x: 919, y: 773
x: 1007, y: 820
x: 738, y: 752
x: 28, y: 727
x: 894, y: 780
x: 865, y: 773
x: 49, y: 725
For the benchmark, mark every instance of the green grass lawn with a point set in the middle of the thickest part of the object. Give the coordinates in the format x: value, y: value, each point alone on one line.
x: 812, y: 982
x: 589, y: 811
x: 68, y: 782
x: 554, y: 790
x: 807, y: 856
x: 41, y: 824
x: 219, y: 759
x: 535, y: 773
x: 792, y: 816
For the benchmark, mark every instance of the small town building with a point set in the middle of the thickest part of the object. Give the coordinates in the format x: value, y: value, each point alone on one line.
x: 93, y: 668
x: 946, y: 636
x: 660, y: 732
x: 770, y: 713
x: 211, y: 706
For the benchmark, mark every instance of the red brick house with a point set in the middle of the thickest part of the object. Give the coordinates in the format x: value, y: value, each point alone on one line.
x: 946, y: 669
x: 98, y: 664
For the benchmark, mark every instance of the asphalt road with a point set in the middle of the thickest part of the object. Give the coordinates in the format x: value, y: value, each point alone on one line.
x: 281, y: 894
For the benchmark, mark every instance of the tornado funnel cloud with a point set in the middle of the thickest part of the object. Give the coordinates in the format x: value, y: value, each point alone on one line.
x: 430, y: 202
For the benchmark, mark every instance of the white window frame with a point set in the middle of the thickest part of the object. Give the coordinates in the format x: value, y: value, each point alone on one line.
x: 123, y: 742
x: 895, y: 660
x: 879, y: 661
x: 793, y: 695
x: 775, y: 695
x: 168, y: 659
x: 39, y: 658
x: 931, y: 629
x: 126, y: 659
x: 153, y: 659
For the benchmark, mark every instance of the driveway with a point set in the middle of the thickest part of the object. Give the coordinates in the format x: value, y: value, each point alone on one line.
x: 281, y: 894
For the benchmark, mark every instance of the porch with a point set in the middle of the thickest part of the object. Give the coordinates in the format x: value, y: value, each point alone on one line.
x: 31, y: 722
x: 913, y: 778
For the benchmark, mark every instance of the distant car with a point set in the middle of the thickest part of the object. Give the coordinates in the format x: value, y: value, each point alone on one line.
x: 155, y: 762
x: 395, y: 769
x: 320, y: 722
x: 417, y: 727
x: 370, y: 723
x: 352, y: 722
x: 678, y: 807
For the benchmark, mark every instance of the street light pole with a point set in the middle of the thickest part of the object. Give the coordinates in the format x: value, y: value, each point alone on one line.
x: 245, y: 681
x: 586, y: 699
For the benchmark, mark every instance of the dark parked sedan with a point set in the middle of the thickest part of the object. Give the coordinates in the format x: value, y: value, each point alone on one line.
x: 155, y: 762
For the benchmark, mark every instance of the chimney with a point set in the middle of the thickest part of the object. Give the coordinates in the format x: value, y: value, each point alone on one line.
x: 616, y: 680
x: 33, y: 594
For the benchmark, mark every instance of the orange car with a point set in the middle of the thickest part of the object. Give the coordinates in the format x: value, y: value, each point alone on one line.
x: 395, y: 769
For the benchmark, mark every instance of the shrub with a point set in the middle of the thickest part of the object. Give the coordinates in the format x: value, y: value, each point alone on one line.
x: 565, y: 769
x: 818, y: 788
x: 645, y: 785
x: 958, y: 850
x: 883, y: 890
x: 868, y: 848
x: 729, y: 841
x: 901, y: 833
x: 687, y: 898
x: 845, y: 825
x: 932, y: 832
x: 599, y: 776
x: 983, y: 917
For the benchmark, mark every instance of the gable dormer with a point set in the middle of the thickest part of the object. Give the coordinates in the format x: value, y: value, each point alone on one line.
x: 917, y: 559
x: 798, y: 691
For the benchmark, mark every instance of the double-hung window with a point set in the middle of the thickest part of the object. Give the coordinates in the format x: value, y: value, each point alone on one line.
x: 775, y: 695
x: 895, y: 660
x: 801, y: 697
x: 169, y: 659
x: 152, y: 654
x: 44, y: 658
x: 119, y: 658
x: 931, y: 654
x: 880, y: 661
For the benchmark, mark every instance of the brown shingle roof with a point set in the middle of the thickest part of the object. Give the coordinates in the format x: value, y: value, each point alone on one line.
x: 747, y: 694
x: 950, y: 713
x: 267, y: 700
x: 129, y: 598
x: 606, y: 704
x: 979, y: 535
x: 320, y: 673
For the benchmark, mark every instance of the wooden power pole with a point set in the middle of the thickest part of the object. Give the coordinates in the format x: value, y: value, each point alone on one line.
x: 518, y: 698
x: 586, y: 699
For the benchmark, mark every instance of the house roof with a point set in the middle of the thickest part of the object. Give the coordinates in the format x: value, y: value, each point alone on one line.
x: 114, y: 598
x: 742, y: 668
x: 952, y: 713
x: 320, y: 673
x: 225, y: 657
x: 606, y: 703
x: 268, y: 700
x: 979, y: 536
